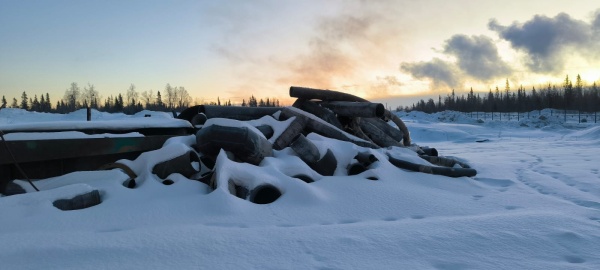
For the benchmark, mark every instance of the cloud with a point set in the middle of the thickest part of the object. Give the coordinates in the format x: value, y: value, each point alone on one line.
x: 383, y: 86
x: 477, y: 56
x: 442, y: 73
x: 596, y: 22
x: 548, y: 41
x: 334, y: 51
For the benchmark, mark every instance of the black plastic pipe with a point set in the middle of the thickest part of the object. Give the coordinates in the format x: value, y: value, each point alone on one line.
x: 355, y: 109
x: 181, y: 164
x: 445, y: 171
x: 328, y: 95
x: 321, y: 112
x: 244, y: 143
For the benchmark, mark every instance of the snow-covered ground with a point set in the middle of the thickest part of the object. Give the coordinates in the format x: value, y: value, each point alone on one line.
x: 534, y: 204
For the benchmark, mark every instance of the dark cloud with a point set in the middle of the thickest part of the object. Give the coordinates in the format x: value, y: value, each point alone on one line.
x: 441, y: 73
x: 548, y: 41
x: 596, y: 22
x: 477, y: 56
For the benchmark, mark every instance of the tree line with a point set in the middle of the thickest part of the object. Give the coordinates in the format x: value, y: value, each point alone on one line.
x: 172, y: 98
x: 567, y: 96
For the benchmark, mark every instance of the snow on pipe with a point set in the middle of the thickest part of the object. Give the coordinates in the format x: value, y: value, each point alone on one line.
x: 237, y: 112
x: 130, y: 182
x: 329, y: 95
x: 305, y: 149
x: 200, y: 119
x: 444, y: 161
x: 245, y: 144
x: 321, y: 112
x: 319, y: 126
x: 309, y: 153
x: 289, y: 134
x: 377, y: 135
x: 230, y: 112
x: 181, y: 164
x: 81, y: 201
x: 445, y: 171
x: 394, y: 133
x: 355, y: 109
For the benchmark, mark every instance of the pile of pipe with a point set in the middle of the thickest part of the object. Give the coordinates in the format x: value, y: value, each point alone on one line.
x: 328, y: 113
x: 228, y: 134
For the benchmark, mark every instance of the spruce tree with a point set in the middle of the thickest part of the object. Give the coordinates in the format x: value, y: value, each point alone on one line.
x: 24, y: 101
x: 35, y: 104
x: 48, y: 105
x: 159, y: 102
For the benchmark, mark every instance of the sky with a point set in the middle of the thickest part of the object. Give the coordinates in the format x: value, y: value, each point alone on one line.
x: 385, y: 51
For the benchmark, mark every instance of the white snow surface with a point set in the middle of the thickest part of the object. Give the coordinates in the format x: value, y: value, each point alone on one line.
x: 534, y: 204
x: 61, y: 126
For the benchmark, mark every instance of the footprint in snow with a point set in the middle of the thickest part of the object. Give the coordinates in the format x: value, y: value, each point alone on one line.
x: 477, y: 197
x: 574, y: 259
x: 495, y: 182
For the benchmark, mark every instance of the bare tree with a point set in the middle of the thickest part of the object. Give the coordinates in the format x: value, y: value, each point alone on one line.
x: 72, y: 97
x: 184, y: 98
x: 132, y: 95
x: 169, y: 95
x: 148, y: 97
x: 90, y: 95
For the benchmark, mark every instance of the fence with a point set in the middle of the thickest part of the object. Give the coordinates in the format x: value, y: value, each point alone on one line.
x: 566, y: 116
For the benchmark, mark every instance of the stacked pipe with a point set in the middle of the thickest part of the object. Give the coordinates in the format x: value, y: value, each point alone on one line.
x: 329, y: 113
x: 349, y: 106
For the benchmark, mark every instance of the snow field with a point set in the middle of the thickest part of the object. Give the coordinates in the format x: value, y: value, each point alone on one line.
x: 534, y: 204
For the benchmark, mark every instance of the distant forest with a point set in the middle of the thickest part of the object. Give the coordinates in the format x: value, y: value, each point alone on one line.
x: 567, y: 96
x: 171, y: 99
